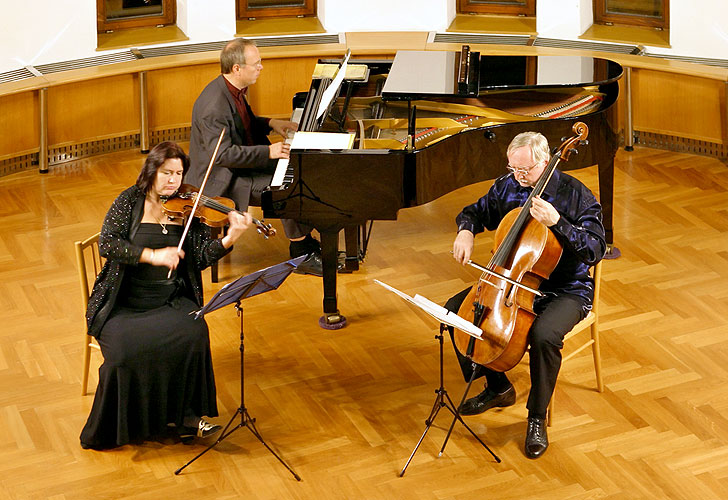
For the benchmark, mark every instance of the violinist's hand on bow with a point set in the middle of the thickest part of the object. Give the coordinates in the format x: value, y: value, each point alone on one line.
x: 462, y: 247
x: 239, y: 223
x: 544, y: 212
x: 167, y: 257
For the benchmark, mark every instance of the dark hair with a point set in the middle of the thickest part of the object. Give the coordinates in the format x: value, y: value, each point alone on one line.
x: 233, y: 53
x: 156, y: 157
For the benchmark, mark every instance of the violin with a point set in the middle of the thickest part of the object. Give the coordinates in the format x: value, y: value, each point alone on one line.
x: 501, y: 303
x: 210, y: 211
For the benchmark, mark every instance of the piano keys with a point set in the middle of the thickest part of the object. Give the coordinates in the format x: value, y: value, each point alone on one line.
x: 430, y: 122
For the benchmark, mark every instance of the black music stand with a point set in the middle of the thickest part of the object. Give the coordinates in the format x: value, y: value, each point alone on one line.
x: 255, y: 283
x: 448, y: 320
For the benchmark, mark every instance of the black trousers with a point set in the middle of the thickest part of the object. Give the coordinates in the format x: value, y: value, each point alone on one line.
x: 555, y: 317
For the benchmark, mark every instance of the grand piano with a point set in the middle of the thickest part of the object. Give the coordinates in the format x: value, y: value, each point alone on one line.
x: 430, y: 122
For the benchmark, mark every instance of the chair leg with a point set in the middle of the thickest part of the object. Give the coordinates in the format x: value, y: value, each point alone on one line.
x: 550, y: 410
x: 86, y: 363
x: 596, y: 352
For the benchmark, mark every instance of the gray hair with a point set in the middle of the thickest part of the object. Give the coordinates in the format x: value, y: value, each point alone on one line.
x: 536, y: 141
x: 233, y: 53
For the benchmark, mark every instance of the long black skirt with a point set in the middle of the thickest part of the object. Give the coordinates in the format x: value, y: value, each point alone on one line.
x: 157, y: 369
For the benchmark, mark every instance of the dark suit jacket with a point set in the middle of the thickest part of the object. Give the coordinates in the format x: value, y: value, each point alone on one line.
x: 213, y: 110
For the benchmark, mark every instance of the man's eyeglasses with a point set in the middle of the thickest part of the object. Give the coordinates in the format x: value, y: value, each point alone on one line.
x: 521, y: 170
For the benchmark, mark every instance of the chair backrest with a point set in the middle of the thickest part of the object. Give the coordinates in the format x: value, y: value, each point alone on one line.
x: 89, y: 264
x: 597, y: 275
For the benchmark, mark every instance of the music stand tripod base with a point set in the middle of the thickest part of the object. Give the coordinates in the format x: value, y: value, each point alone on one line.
x: 442, y: 400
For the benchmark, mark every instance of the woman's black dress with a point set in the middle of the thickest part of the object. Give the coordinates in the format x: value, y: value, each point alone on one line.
x: 157, y: 366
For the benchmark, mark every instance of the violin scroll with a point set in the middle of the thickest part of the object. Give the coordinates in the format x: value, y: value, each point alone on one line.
x: 569, y: 145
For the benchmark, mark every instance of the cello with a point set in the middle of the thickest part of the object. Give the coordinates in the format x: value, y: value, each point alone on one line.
x: 501, y: 303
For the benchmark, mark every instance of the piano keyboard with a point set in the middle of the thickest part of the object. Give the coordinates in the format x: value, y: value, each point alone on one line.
x: 284, y: 173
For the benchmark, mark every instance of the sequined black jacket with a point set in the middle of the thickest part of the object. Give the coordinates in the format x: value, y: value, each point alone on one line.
x: 120, y: 225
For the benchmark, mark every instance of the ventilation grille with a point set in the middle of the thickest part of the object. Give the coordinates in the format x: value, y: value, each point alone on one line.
x: 18, y: 164
x: 89, y: 62
x: 274, y: 41
x: 217, y: 46
x: 484, y: 39
x: 681, y: 144
x: 71, y: 152
x: 180, y: 49
x: 582, y: 45
x: 16, y: 75
x: 722, y: 63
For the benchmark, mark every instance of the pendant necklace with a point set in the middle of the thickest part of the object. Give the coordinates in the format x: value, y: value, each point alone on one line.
x: 164, y: 226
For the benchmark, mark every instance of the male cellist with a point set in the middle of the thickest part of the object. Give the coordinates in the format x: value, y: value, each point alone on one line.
x: 572, y: 213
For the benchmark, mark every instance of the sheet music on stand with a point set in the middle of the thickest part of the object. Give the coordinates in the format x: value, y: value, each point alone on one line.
x: 330, y: 93
x: 437, y: 311
x: 260, y: 281
x: 311, y: 140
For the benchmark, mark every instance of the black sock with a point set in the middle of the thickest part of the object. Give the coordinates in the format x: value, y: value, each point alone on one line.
x: 304, y: 247
x: 497, y: 382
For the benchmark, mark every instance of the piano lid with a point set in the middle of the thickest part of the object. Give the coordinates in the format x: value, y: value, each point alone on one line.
x: 420, y: 74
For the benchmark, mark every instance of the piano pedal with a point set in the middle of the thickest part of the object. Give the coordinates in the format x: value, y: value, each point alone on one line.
x: 347, y: 265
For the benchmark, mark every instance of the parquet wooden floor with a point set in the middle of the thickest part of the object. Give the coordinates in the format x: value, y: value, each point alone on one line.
x: 345, y: 408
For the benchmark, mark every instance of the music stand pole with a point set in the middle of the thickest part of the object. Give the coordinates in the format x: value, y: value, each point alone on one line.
x: 442, y: 400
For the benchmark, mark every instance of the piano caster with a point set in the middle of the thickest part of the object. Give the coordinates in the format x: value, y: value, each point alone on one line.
x: 612, y: 253
x: 333, y: 321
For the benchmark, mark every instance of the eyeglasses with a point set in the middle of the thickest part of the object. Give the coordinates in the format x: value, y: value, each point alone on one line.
x: 258, y: 64
x: 521, y: 170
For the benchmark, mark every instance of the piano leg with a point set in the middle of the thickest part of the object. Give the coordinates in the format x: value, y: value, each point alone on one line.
x: 332, y: 319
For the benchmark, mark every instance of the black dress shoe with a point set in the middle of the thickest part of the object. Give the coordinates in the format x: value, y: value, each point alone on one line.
x: 311, y: 265
x: 536, y: 438
x: 487, y: 400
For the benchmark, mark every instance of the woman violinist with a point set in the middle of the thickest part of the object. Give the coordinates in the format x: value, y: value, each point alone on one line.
x: 572, y: 213
x: 157, y: 369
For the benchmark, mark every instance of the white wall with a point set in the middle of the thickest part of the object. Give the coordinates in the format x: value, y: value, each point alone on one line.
x: 693, y: 31
x: 387, y: 15
x: 44, y: 31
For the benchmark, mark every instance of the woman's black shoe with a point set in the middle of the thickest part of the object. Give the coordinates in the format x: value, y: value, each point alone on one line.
x: 203, y: 429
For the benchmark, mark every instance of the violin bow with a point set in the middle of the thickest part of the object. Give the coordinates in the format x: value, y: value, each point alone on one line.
x: 199, y: 195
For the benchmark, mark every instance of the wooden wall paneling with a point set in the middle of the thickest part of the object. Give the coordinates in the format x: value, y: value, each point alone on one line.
x: 677, y: 104
x: 171, y: 93
x: 20, y: 123
x: 280, y: 79
x: 93, y: 109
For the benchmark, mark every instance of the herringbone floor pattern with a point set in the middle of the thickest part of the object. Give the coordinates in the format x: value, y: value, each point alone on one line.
x: 346, y: 408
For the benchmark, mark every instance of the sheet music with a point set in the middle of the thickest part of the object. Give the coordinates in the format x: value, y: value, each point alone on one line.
x: 311, y: 140
x: 437, y: 311
x: 330, y: 92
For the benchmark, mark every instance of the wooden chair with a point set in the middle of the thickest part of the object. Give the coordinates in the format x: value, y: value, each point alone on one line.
x: 89, y: 265
x: 591, y: 322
